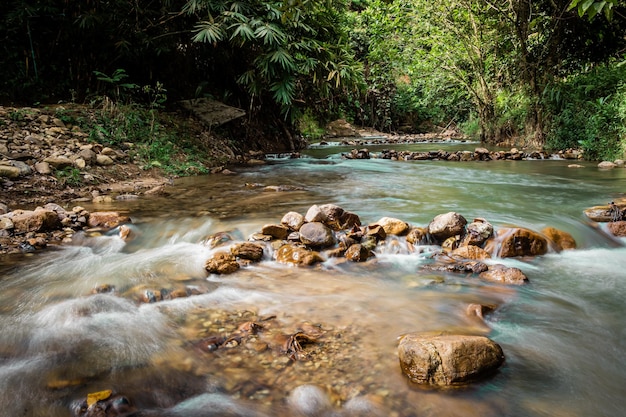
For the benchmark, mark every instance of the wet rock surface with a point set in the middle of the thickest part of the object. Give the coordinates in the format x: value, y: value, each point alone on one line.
x: 30, y: 230
x: 448, y: 360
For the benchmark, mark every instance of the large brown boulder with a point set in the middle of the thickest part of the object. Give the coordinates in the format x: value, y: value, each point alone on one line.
x: 341, y: 128
x: 316, y: 235
x: 444, y: 360
x: 447, y: 225
x: 38, y: 220
x: 521, y: 242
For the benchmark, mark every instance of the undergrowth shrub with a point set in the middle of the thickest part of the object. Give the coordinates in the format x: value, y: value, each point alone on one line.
x: 588, y: 111
x: 151, y: 137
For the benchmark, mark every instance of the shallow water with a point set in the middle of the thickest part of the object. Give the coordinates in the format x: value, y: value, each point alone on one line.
x: 563, y: 335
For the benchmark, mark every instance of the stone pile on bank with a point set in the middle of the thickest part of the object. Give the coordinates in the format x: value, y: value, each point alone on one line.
x: 32, y: 141
x: 31, y: 230
x: 479, y: 154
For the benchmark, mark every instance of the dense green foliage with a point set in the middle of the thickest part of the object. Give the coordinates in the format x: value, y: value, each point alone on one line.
x: 512, y: 71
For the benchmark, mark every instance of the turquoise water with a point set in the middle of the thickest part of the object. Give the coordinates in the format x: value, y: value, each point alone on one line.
x: 563, y: 335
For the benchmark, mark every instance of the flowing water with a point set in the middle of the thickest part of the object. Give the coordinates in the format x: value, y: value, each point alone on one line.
x: 563, y: 334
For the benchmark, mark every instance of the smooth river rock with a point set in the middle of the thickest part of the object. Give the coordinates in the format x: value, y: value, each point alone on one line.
x: 222, y: 263
x: 247, y: 250
x: 447, y: 225
x: 37, y: 220
x: 393, y: 226
x: 9, y: 171
x: 561, y: 239
x: 502, y: 274
x: 107, y: 219
x: 521, y: 242
x: 447, y: 360
x: 618, y: 228
x: 277, y: 231
x: 470, y: 252
x: 317, y: 235
x: 477, y: 233
x: 292, y: 220
x: 604, y: 213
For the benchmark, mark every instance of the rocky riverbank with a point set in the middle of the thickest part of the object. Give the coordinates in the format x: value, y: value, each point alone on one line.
x: 47, y: 155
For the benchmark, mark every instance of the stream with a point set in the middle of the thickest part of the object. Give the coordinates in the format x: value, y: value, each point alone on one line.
x: 563, y: 334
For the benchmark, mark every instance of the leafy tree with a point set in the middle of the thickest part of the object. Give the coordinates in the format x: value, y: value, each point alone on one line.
x: 50, y: 49
x: 292, y: 51
x: 592, y: 8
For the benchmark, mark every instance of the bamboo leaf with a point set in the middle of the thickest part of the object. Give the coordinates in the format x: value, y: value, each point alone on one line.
x: 209, y: 32
x: 243, y: 31
x: 283, y: 58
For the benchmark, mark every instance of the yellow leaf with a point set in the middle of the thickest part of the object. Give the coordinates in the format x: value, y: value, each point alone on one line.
x: 94, y: 397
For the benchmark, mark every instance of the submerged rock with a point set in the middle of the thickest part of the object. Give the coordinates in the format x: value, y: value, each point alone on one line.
x: 561, y: 239
x: 520, y: 242
x: 448, y: 360
x: 504, y: 275
x: 618, y: 228
x: 309, y: 400
x: 107, y: 219
x: 480, y: 310
x: 470, y: 252
x: 606, y: 165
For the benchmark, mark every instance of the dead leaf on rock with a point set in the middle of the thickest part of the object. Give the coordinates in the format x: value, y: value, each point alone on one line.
x: 292, y: 344
x: 94, y: 397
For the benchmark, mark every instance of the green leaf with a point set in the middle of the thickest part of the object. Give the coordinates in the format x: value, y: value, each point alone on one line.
x: 283, y: 90
x: 208, y: 32
x: 283, y: 58
x: 270, y: 33
x: 243, y: 31
x: 573, y: 5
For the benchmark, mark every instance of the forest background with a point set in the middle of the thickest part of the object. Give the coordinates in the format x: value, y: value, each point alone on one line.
x: 540, y: 73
